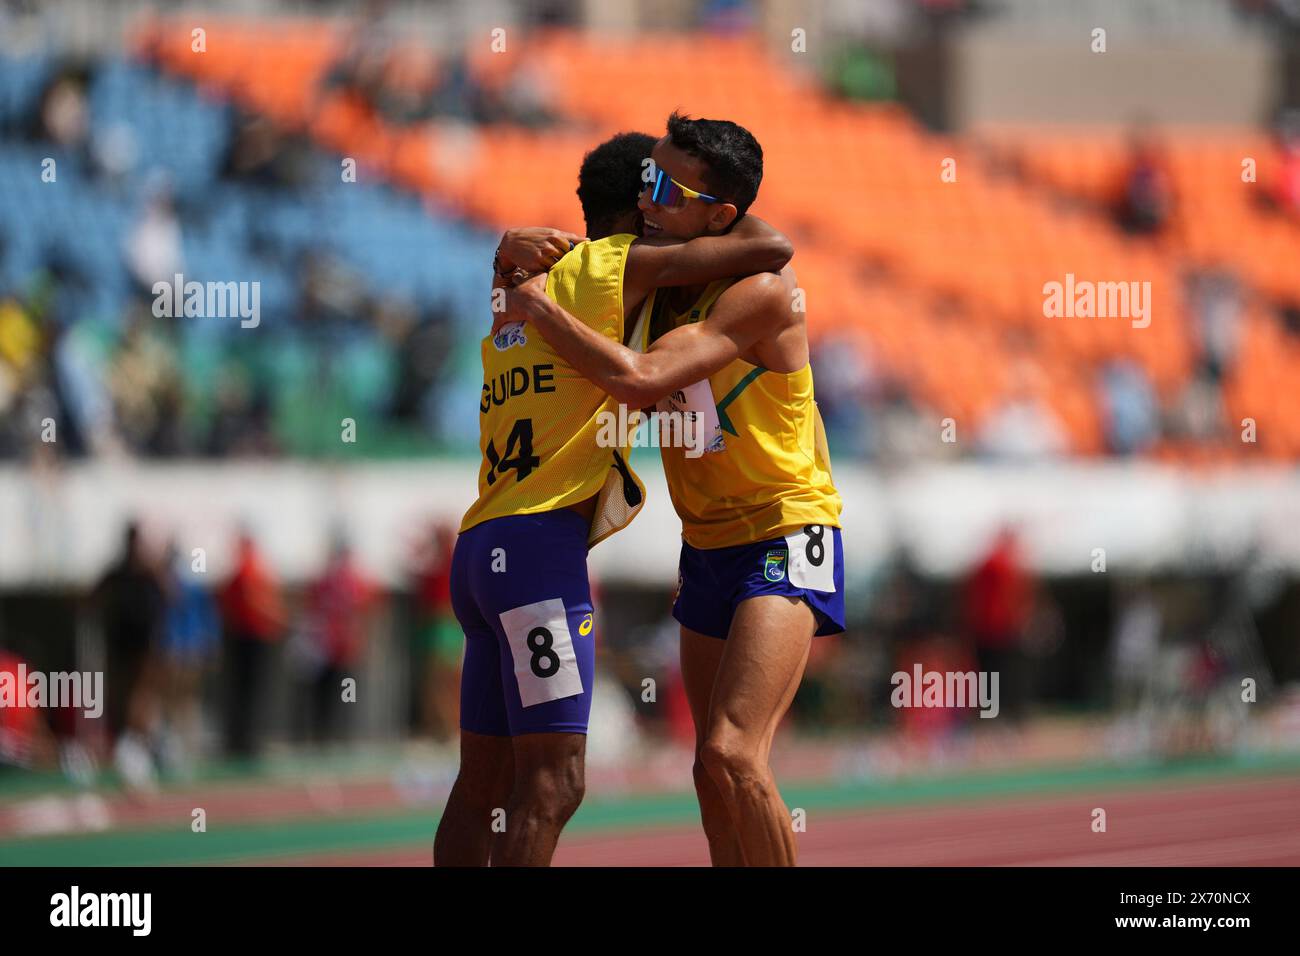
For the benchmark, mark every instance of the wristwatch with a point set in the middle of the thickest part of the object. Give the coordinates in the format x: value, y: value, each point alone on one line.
x: 512, y: 276
x: 496, y: 263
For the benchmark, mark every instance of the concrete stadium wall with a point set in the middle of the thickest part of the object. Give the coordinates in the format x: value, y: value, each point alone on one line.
x: 1001, y: 77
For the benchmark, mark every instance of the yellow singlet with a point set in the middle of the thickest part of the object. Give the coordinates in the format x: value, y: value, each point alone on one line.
x: 767, y: 472
x: 548, y: 436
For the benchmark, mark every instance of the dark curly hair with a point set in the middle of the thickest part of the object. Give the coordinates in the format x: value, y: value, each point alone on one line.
x: 609, y: 182
x: 732, y: 157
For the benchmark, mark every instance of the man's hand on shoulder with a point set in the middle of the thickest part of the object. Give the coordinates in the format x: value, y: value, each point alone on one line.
x: 534, y: 248
x: 521, y: 302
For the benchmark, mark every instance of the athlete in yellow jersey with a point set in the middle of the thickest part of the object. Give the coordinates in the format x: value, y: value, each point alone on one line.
x: 762, y: 562
x: 550, y: 486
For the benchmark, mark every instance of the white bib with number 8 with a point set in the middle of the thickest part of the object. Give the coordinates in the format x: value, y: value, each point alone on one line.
x: 546, y: 668
x: 812, y: 558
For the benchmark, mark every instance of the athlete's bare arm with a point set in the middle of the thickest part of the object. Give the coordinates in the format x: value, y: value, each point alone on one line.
x: 752, y: 246
x: 753, y: 319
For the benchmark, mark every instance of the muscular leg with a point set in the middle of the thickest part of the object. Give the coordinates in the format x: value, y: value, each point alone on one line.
x: 761, y: 666
x: 701, y: 655
x: 486, y: 775
x: 548, y: 786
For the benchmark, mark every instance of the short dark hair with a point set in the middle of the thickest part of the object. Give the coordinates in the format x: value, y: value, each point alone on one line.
x: 609, y: 182
x: 732, y: 157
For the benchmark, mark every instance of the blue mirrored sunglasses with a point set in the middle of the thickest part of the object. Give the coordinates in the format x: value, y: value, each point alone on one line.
x: 669, y: 192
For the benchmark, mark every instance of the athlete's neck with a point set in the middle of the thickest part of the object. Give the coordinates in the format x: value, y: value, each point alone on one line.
x: 683, y: 297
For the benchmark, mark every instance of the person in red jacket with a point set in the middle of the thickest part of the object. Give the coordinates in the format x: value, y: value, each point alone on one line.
x: 339, y: 603
x: 439, y: 641
x: 25, y: 737
x: 254, y: 615
x: 997, y: 603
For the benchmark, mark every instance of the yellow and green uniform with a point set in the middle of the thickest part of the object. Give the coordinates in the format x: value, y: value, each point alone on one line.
x: 768, y: 471
x: 540, y: 419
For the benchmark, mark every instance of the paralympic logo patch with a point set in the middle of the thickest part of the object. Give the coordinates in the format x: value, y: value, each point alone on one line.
x: 510, y: 335
x: 774, y: 565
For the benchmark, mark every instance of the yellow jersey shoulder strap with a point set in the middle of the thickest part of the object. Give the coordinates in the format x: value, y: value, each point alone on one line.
x: 657, y: 318
x: 591, y: 275
x: 709, y: 296
x: 640, y: 339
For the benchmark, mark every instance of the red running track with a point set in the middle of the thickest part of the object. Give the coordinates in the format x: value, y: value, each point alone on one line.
x: 1247, y: 822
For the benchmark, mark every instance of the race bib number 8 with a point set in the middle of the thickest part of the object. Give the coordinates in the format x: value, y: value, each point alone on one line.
x: 812, y: 558
x: 546, y: 667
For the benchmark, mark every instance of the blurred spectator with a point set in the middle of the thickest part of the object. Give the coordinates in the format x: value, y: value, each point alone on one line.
x: 903, y: 610
x: 254, y: 616
x: 815, y: 704
x: 1215, y: 296
x: 1286, y: 192
x: 1146, y: 198
x: 1130, y: 414
x: 1289, y: 314
x: 906, y: 432
x: 995, y: 610
x: 191, y: 639
x: 144, y: 382
x: 259, y: 154
x: 333, y: 296
x: 129, y: 599
x: 407, y: 93
x: 422, y: 344
x: 935, y: 652
x: 338, y: 609
x: 1022, y: 428
x: 1043, y: 638
x: 153, y: 244
x: 913, y: 630
x: 1135, y: 646
x: 25, y: 738
x: 20, y: 341
x: 241, y: 420
x: 371, y: 37
x: 845, y: 380
x: 404, y: 85
x: 63, y: 116
x: 1197, y: 414
x: 21, y: 384
x: 526, y: 96
x: 440, y: 643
